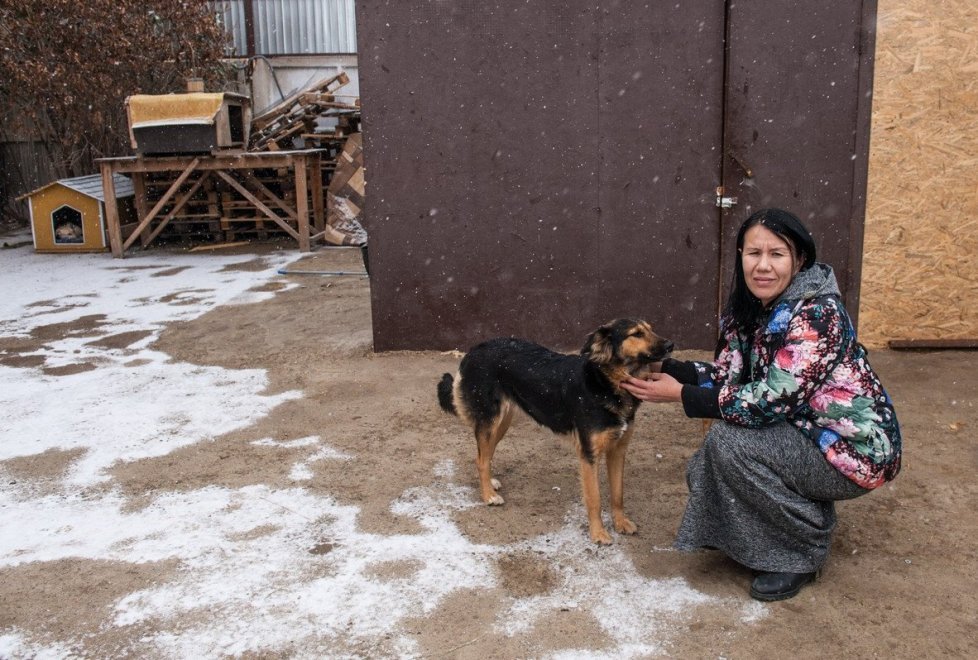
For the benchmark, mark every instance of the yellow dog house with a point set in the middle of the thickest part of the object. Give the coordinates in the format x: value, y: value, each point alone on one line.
x: 68, y: 215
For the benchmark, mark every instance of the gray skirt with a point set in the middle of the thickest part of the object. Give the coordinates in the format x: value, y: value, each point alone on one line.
x: 765, y: 497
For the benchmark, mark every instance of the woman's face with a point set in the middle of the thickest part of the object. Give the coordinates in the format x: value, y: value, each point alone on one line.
x: 769, y: 263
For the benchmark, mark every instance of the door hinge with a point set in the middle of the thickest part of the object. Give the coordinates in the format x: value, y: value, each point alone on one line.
x: 725, y: 202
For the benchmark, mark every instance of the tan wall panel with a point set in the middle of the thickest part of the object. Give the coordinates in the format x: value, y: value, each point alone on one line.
x: 920, y: 268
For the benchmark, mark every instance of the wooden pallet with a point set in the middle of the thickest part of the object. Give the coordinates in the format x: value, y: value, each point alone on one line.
x: 297, y: 116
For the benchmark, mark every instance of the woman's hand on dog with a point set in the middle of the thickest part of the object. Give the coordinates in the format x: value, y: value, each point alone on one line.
x: 658, y: 388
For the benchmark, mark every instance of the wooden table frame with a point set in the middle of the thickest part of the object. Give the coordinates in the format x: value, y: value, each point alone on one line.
x: 306, y: 164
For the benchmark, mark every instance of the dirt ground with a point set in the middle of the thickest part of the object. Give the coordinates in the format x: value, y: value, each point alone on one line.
x: 901, y: 581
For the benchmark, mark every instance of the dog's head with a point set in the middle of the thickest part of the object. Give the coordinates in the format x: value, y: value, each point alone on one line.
x: 626, y: 343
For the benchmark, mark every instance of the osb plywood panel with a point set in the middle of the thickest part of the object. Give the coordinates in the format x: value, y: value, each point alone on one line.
x: 920, y: 268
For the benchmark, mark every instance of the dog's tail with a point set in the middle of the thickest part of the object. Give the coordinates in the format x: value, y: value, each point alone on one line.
x: 446, y: 399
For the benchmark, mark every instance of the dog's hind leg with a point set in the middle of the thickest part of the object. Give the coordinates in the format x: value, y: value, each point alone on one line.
x: 616, y: 483
x: 487, y: 436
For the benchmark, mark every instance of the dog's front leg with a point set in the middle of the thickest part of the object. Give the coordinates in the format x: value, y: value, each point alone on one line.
x: 592, y: 501
x: 616, y: 482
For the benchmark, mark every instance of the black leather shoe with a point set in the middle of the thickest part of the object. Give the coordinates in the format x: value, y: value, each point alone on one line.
x: 779, y: 586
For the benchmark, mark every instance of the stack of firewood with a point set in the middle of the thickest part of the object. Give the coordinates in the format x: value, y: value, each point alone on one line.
x: 345, y: 195
x: 316, y: 118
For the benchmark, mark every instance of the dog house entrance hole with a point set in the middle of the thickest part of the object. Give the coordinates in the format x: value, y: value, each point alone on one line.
x: 68, y: 226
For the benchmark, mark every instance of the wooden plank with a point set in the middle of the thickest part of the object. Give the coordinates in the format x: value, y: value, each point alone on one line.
x: 278, y: 136
x: 218, y: 246
x: 933, y: 344
x: 310, y: 98
x: 334, y: 136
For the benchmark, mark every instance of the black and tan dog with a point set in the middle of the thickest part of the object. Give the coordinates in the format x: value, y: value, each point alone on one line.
x: 575, y: 395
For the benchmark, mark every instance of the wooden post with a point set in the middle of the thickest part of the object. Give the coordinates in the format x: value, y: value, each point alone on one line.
x: 300, y: 166
x: 111, y: 211
x: 317, y: 192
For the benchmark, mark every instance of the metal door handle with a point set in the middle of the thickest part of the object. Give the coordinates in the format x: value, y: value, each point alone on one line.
x: 725, y: 202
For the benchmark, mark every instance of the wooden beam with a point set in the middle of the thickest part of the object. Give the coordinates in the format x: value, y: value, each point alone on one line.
x: 143, y: 223
x: 218, y: 161
x: 301, y: 201
x: 218, y: 246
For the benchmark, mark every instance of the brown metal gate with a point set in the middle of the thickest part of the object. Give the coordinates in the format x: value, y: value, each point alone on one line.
x: 799, y: 96
x: 537, y: 169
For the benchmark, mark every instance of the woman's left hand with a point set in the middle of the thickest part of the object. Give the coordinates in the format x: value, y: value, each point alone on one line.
x: 659, y: 388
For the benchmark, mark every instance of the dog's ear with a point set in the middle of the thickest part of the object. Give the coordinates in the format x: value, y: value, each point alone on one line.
x: 598, y: 347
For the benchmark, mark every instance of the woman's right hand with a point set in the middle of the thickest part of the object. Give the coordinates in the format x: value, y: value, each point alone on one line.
x: 658, y: 388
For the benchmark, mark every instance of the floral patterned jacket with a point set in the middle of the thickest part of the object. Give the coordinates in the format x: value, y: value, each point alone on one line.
x: 806, y: 368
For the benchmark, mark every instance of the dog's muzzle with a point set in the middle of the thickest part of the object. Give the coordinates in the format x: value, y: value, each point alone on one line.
x: 663, y: 351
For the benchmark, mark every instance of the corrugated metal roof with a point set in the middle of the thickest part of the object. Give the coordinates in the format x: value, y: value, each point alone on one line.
x: 90, y: 185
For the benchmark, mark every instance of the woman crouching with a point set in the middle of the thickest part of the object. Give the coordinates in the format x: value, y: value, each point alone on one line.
x: 804, y: 418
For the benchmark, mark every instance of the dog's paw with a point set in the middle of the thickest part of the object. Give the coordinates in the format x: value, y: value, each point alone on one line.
x: 495, y: 483
x: 494, y: 500
x: 601, y: 536
x: 625, y: 526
